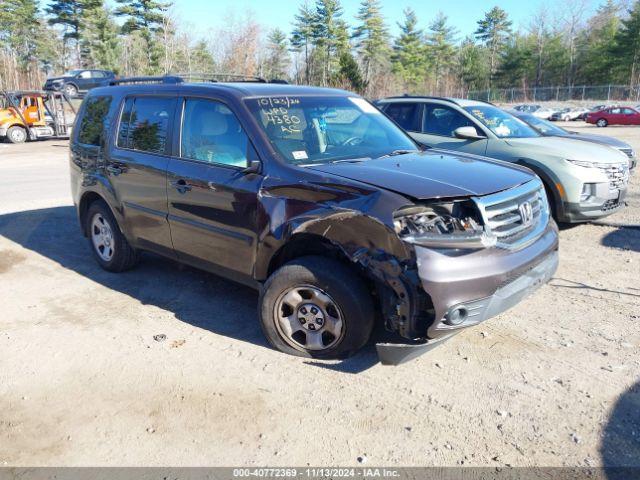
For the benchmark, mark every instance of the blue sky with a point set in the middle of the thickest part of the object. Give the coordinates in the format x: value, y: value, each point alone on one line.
x: 463, y: 14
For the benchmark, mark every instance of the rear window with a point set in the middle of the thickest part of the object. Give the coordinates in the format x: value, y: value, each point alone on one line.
x: 407, y: 115
x: 92, y: 123
x: 144, y: 124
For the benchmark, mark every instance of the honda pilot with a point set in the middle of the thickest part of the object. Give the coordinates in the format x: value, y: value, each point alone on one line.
x: 316, y: 199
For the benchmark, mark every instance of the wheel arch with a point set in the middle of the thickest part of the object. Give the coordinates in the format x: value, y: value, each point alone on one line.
x: 302, y: 245
x: 550, y: 182
x: 86, y: 200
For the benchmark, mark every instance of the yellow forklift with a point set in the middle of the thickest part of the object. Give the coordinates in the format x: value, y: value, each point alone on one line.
x: 31, y: 115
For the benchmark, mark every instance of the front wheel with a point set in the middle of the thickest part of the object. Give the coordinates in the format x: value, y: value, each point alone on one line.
x: 70, y: 90
x: 602, y: 122
x: 17, y: 135
x: 316, y: 307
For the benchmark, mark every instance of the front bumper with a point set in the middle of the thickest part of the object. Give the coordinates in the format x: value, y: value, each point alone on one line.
x: 481, y: 284
x: 452, y: 281
x: 602, y: 204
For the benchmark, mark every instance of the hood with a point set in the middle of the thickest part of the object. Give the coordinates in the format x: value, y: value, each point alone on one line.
x: 567, y: 148
x: 433, y: 174
x: 54, y: 79
x: 602, y: 139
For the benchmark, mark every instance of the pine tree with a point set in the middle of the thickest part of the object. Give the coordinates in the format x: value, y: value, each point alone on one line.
x: 69, y: 15
x: 409, y: 59
x: 493, y: 30
x: 627, y: 48
x: 277, y: 60
x: 302, y: 36
x: 371, y: 36
x: 201, y: 58
x: 597, y: 65
x: 330, y: 34
x: 349, y: 74
x: 440, y: 47
x: 472, y: 65
x: 99, y: 39
x: 145, y: 17
x: 22, y: 31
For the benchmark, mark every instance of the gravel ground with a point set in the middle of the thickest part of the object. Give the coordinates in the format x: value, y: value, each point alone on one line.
x: 554, y: 381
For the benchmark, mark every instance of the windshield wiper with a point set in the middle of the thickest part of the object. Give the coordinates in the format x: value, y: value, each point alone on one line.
x: 398, y: 152
x: 352, y: 160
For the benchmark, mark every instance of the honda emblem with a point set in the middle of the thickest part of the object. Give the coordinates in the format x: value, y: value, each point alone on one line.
x: 526, y: 213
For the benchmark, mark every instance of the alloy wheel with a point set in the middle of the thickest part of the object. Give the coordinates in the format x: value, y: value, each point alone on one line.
x: 102, y: 237
x: 307, y: 317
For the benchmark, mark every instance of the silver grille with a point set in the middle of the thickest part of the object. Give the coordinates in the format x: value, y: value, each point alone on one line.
x: 516, y: 216
x: 618, y: 175
x: 627, y: 151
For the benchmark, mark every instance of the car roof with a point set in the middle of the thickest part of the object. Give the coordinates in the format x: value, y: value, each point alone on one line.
x: 462, y: 102
x: 237, y: 89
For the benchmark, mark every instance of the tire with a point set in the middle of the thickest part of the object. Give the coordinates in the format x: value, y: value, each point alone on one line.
x: 16, y: 134
x: 70, y: 90
x: 602, y: 122
x: 343, y: 318
x: 116, y: 255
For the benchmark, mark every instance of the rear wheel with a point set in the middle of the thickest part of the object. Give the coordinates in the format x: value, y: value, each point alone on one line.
x: 16, y: 134
x: 316, y: 307
x: 602, y: 122
x: 109, y: 246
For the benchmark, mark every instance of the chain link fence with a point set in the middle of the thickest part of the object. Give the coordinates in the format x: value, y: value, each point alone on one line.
x: 618, y: 93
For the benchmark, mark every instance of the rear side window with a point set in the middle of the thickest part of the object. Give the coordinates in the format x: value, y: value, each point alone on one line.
x: 407, y: 115
x: 144, y: 124
x: 92, y: 123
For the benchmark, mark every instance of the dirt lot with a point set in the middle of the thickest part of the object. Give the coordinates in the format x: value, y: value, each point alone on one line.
x: 555, y: 381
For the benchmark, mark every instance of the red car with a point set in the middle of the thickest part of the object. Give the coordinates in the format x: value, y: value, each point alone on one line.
x: 614, y: 116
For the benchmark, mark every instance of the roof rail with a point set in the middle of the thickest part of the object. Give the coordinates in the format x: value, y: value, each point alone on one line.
x: 176, y: 78
x: 431, y: 97
x: 218, y: 77
x: 167, y: 79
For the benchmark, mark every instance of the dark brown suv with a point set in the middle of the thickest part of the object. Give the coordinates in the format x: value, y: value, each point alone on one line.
x: 317, y: 200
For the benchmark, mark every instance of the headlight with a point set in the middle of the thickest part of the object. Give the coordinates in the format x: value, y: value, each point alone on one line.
x: 582, y: 163
x: 447, y: 225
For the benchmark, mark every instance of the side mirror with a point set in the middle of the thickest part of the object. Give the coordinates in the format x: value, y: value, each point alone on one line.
x: 469, y: 133
x: 255, y: 166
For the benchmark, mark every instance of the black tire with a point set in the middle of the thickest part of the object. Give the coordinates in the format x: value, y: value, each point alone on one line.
x: 17, y: 134
x: 124, y: 256
x: 602, y: 122
x: 70, y: 90
x: 343, y: 285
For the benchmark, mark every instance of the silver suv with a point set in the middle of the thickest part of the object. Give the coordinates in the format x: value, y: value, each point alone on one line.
x: 583, y: 181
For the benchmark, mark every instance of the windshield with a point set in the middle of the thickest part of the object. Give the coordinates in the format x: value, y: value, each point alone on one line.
x: 73, y: 73
x: 503, y: 124
x: 308, y: 130
x: 545, y: 127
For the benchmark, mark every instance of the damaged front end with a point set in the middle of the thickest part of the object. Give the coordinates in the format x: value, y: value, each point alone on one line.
x: 432, y: 262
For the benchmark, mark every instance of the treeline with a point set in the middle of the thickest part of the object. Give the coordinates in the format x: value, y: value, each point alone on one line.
x: 560, y: 45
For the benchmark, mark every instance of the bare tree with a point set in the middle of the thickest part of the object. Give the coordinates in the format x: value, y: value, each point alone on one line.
x: 539, y: 30
x: 574, y: 19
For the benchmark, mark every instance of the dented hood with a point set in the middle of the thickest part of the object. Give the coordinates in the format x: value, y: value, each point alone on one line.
x: 433, y: 174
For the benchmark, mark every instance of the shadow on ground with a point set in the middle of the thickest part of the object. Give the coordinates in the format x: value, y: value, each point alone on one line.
x: 626, y: 238
x: 195, y: 297
x: 620, y: 445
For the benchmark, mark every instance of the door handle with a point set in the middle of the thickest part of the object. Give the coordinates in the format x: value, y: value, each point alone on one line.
x: 181, y: 185
x: 114, y: 170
